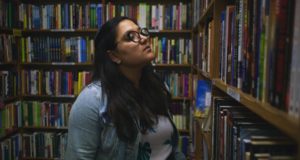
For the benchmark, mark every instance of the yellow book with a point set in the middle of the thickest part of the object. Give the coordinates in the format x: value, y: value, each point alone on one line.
x: 23, y: 49
x: 79, y: 82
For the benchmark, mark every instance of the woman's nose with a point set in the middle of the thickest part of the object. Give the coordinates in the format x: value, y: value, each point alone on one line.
x: 144, y: 39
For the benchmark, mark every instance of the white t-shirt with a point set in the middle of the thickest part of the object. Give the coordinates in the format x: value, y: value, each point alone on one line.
x: 156, y: 143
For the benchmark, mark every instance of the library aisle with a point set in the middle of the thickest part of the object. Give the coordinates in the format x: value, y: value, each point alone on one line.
x: 231, y: 67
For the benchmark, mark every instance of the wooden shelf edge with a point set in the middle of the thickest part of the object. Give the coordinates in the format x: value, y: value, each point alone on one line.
x: 29, y: 158
x: 202, y: 73
x: 182, y: 98
x: 171, y: 65
x: 94, y: 30
x: 8, y: 134
x: 9, y: 100
x: 204, y: 14
x: 61, y: 99
x: 45, y: 129
x: 183, y: 131
x: 207, y: 10
x: 7, y: 64
x: 172, y: 31
x: 58, y: 30
x: 14, y: 131
x: 276, y: 117
x: 56, y: 64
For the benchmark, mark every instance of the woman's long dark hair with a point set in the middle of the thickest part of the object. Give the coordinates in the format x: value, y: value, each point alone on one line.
x: 130, y: 109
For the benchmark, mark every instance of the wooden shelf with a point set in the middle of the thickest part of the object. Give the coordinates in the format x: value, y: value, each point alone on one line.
x: 6, y: 31
x: 9, y: 99
x: 182, y: 98
x: 62, y: 98
x: 58, y: 65
x: 172, y: 65
x: 8, y: 134
x: 57, y: 1
x: 206, y: 13
x: 89, y: 66
x: 183, y: 132
x: 29, y: 158
x: 170, y: 31
x: 7, y: 65
x: 274, y: 116
x: 149, y: 2
x: 94, y: 31
x: 59, y: 32
x: 13, y: 131
x: 186, y: 67
x: 202, y: 73
x: 44, y: 129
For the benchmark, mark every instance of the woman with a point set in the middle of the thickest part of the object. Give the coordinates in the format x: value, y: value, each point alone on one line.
x: 124, y: 113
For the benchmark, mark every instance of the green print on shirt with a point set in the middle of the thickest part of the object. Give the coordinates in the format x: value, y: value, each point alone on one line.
x: 144, y: 151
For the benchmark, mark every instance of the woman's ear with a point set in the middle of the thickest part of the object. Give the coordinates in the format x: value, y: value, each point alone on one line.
x: 112, y: 55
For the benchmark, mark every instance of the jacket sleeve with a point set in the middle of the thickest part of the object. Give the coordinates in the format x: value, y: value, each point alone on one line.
x: 84, y: 126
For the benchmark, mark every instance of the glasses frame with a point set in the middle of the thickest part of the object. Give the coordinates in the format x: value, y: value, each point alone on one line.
x: 143, y: 31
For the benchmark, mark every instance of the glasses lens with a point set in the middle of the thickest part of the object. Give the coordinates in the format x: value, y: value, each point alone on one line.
x: 134, y: 36
x: 145, y: 32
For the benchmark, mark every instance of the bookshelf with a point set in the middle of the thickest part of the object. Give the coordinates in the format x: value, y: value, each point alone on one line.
x: 47, y: 33
x: 248, y: 22
x: 276, y: 117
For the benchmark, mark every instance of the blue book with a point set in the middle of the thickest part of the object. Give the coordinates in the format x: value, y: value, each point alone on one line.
x: 202, y: 96
x: 83, y: 50
x: 164, y: 49
x: 99, y: 15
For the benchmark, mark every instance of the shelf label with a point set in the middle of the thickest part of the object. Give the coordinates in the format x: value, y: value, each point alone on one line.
x: 17, y: 32
x: 233, y: 93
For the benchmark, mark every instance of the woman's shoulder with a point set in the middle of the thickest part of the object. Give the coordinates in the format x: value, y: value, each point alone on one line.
x: 92, y: 90
x: 91, y: 96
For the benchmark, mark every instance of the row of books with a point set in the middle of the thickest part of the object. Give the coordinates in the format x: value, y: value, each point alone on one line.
x: 254, y: 54
x: 81, y: 49
x: 8, y: 52
x: 61, y: 16
x: 172, y: 51
x: 180, y: 84
x: 204, y: 47
x: 238, y: 133
x: 199, y: 8
x: 33, y: 114
x: 179, y: 112
x: 54, y: 83
x: 34, y: 145
x: 86, y: 16
x: 8, y: 84
x: 57, y: 49
x: 8, y: 16
x: 158, y: 17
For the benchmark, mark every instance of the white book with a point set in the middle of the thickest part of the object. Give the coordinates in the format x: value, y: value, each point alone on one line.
x: 153, y: 17
x: 160, y: 15
x: 142, y: 17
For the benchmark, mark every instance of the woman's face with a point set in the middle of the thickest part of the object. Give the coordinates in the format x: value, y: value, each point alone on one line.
x: 132, y: 53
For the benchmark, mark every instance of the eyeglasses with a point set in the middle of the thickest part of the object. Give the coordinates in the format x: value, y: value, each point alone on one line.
x: 135, y: 36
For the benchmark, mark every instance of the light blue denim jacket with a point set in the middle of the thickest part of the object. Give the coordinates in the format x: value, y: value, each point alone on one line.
x: 91, y: 137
